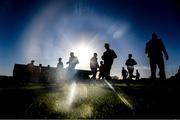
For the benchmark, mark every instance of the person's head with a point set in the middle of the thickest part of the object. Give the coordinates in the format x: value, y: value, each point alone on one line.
x: 72, y: 54
x: 122, y: 68
x: 137, y: 71
x: 95, y: 54
x: 40, y: 65
x: 106, y: 45
x: 154, y: 35
x: 130, y: 56
x: 48, y: 66
x: 101, y: 62
x: 32, y: 61
x: 60, y: 59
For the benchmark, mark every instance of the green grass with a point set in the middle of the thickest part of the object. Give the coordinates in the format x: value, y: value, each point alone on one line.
x: 90, y: 101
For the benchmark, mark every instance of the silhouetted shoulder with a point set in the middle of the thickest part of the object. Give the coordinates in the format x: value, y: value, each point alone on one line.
x: 113, y: 53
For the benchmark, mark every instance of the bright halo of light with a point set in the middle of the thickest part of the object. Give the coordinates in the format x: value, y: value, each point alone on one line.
x: 84, y: 54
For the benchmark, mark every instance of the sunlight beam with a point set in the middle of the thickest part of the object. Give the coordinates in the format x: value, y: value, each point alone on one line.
x: 71, y: 95
x: 120, y: 96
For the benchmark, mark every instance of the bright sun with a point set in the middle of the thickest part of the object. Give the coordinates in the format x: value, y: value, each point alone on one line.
x: 84, y: 54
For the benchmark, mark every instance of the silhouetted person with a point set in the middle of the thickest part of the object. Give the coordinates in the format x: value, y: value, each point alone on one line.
x: 48, y: 73
x: 101, y: 70
x: 154, y: 49
x: 137, y: 75
x: 60, y: 64
x: 40, y: 72
x: 59, y: 68
x: 124, y: 73
x: 94, y: 65
x: 30, y: 70
x: 130, y: 65
x: 108, y: 56
x: 73, y: 61
x: 40, y: 68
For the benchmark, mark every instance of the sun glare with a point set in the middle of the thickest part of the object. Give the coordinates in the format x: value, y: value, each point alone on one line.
x: 84, y: 54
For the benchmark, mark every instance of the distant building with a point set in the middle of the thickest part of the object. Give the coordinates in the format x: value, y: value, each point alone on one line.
x: 20, y: 74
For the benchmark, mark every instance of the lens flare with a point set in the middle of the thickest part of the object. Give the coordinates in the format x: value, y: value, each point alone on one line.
x: 110, y: 85
x: 120, y: 96
x: 71, y: 95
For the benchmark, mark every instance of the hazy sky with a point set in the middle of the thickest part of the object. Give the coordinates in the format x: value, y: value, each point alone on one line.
x: 45, y: 30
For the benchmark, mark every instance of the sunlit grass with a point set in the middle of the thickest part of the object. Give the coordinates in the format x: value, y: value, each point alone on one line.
x: 89, y: 101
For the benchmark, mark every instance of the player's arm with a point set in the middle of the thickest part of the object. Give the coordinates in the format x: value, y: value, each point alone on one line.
x: 146, y: 48
x: 164, y: 51
x: 114, y: 54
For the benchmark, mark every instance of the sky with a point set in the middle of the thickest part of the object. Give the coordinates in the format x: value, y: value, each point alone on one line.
x: 44, y: 30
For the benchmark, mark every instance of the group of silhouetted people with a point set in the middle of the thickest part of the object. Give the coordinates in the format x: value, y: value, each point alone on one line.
x: 130, y: 62
x: 73, y: 60
x: 44, y: 74
x: 38, y: 73
x: 154, y: 50
x: 125, y: 74
x: 105, y: 66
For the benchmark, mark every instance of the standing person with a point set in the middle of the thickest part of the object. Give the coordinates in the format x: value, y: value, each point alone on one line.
x: 60, y: 64
x: 40, y: 73
x: 108, y: 56
x: 73, y: 61
x: 154, y: 50
x: 137, y: 75
x: 94, y: 65
x: 130, y: 65
x: 59, y: 69
x: 101, y: 70
x: 124, y: 73
x: 48, y: 74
